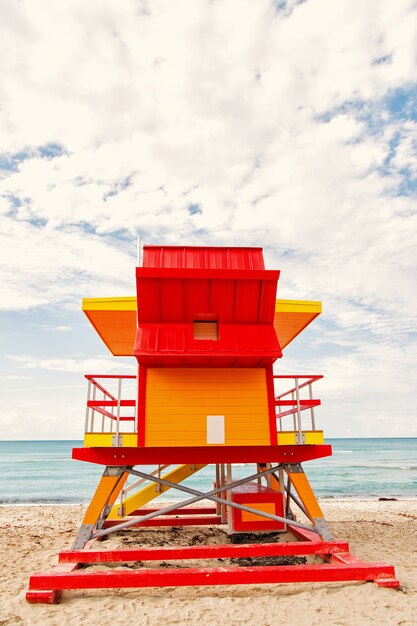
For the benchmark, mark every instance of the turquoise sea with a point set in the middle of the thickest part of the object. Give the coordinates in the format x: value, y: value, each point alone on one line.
x: 34, y: 472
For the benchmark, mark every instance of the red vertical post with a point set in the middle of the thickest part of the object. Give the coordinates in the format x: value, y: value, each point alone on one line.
x: 271, y: 404
x: 141, y: 405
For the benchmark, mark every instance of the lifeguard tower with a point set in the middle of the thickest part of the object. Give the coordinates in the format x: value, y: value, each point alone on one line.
x: 205, y: 329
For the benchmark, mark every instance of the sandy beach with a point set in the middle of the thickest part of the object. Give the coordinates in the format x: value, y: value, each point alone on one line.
x: 379, y: 531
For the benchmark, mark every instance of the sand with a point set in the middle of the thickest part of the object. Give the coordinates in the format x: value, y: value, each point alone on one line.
x: 32, y: 536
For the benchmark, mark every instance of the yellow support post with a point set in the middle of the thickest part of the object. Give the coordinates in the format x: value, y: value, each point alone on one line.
x: 112, y: 498
x: 105, y: 489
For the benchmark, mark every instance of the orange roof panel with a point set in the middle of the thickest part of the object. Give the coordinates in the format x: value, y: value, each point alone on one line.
x: 292, y: 317
x: 115, y: 320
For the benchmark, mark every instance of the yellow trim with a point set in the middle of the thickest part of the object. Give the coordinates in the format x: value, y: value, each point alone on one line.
x: 298, y: 306
x: 104, y: 440
x: 122, y: 303
x: 312, y: 437
x: 129, y: 440
x: 128, y: 303
x: 286, y: 439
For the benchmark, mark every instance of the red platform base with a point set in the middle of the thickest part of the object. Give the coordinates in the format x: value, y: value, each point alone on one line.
x: 339, y: 565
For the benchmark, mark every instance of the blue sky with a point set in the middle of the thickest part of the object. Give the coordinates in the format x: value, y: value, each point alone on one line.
x: 293, y: 128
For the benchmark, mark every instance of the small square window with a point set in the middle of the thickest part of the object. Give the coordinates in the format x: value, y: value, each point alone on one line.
x: 206, y: 330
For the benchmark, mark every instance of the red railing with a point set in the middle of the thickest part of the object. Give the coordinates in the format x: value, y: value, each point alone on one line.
x: 297, y: 404
x: 110, y: 406
x: 110, y: 400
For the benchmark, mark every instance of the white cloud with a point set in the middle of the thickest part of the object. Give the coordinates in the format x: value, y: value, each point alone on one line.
x: 405, y: 156
x: 15, y: 377
x: 45, y: 327
x: 276, y: 124
x: 53, y: 387
x: 63, y: 329
x: 72, y: 365
x: 53, y: 267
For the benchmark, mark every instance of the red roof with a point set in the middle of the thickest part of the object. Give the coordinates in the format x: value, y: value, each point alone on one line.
x: 203, y: 257
x: 180, y: 285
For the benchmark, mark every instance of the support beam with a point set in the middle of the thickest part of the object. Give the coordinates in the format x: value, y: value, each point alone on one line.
x: 108, y: 488
x: 300, y: 483
x: 202, y: 454
x: 198, y: 510
x: 119, y: 579
x: 211, y: 496
x: 112, y: 499
x: 53, y: 595
x: 199, y: 496
x: 126, y: 555
x: 194, y: 520
x: 148, y: 493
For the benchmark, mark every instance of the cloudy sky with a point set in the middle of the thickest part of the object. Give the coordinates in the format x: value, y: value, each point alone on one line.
x: 291, y: 125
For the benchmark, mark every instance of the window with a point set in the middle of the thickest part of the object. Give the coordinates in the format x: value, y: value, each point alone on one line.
x: 205, y: 330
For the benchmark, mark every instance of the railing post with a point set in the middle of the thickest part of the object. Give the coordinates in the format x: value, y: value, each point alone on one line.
x: 297, y: 395
x: 158, y: 488
x: 288, y: 500
x: 294, y: 422
x: 223, y: 512
x: 136, y: 425
x: 93, y: 409
x: 279, y: 418
x: 120, y: 510
x: 119, y: 397
x: 313, y: 421
x: 102, y: 417
x: 87, y: 409
x: 218, y: 505
x: 111, y: 420
x: 229, y: 479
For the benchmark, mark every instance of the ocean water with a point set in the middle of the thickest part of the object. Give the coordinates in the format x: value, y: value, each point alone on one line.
x: 43, y: 472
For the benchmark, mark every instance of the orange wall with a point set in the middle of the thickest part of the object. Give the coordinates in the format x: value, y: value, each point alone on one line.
x: 178, y: 401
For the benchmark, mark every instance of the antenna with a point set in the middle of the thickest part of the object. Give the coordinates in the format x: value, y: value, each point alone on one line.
x: 138, y: 252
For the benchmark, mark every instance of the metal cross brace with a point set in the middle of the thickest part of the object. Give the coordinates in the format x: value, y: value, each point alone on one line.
x: 210, y: 495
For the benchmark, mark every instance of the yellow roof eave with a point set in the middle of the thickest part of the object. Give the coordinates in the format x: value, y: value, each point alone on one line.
x: 291, y: 318
x: 298, y: 306
x: 121, y: 303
